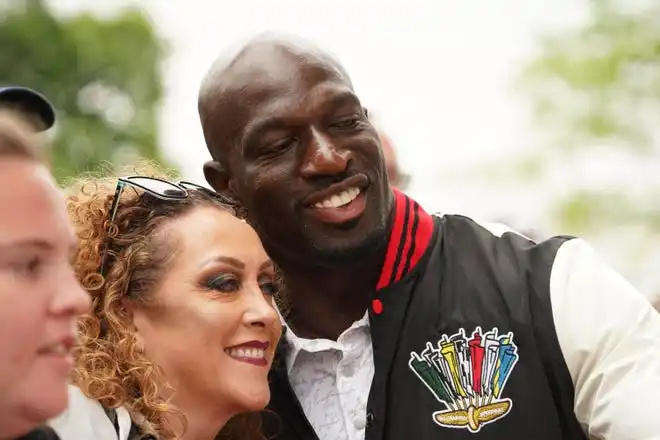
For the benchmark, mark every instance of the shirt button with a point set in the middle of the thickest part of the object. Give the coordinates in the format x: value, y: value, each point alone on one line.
x: 359, y: 422
x: 377, y: 306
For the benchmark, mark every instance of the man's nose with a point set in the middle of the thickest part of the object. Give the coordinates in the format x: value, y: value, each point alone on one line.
x: 323, y: 157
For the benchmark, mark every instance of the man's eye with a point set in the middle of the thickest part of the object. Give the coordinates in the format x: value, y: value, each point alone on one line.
x: 350, y: 122
x: 280, y: 146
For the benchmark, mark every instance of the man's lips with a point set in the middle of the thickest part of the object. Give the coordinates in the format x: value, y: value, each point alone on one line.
x: 358, y: 181
x: 340, y: 203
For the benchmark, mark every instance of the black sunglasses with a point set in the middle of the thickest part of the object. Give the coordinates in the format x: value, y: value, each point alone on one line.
x: 159, y: 188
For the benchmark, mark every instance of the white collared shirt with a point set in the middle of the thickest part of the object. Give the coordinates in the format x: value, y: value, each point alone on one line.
x: 332, y: 380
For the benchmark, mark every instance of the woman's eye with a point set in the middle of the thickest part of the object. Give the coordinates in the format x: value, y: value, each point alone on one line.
x: 223, y: 283
x: 269, y: 288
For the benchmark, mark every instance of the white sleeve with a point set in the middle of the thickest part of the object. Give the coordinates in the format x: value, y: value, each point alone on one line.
x: 85, y: 419
x: 610, y: 337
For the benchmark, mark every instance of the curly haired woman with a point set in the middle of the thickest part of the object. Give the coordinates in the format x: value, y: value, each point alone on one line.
x: 183, y: 328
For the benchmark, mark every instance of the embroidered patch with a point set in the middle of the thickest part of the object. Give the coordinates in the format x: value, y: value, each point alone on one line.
x: 468, y: 376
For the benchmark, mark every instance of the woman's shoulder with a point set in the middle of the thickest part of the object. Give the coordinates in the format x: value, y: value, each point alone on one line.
x: 87, y: 419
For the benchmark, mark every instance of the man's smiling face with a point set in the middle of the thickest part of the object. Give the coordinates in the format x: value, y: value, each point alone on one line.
x: 302, y: 156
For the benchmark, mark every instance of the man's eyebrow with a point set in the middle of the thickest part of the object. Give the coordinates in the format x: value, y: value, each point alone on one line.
x: 35, y: 243
x: 345, y: 97
x: 256, y: 128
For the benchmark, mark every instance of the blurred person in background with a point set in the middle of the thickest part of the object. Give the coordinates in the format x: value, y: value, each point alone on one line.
x: 183, y: 328
x: 29, y: 104
x: 40, y: 297
x: 398, y: 179
x: 403, y: 325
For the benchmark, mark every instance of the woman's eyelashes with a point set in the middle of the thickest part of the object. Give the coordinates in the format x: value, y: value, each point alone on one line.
x: 228, y: 283
x: 269, y: 287
x: 224, y: 283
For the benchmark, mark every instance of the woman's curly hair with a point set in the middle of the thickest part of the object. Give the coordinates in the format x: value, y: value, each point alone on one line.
x: 110, y: 366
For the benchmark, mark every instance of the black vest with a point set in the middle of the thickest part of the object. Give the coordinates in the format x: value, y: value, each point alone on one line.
x: 463, y: 337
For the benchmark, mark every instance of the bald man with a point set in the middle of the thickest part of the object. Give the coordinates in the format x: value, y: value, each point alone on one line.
x: 403, y: 325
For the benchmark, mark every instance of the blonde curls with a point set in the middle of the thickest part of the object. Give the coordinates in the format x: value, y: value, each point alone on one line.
x: 110, y: 367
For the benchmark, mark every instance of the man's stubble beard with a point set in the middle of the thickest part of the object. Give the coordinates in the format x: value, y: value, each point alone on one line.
x: 371, y: 245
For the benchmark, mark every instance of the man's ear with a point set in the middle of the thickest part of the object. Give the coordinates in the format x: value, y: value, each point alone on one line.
x: 216, y: 175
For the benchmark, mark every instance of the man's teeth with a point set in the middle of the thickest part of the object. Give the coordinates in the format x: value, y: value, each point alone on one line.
x: 254, y: 353
x: 338, y: 200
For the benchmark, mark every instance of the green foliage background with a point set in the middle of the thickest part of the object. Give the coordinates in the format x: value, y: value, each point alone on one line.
x: 593, y: 88
x: 102, y: 76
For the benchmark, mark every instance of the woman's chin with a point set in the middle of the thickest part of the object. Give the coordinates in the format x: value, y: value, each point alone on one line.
x: 250, y: 399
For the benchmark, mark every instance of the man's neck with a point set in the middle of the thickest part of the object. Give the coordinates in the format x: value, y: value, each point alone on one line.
x: 325, y: 302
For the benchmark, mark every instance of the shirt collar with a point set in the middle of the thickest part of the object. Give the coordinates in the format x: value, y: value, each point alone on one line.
x: 412, y: 229
x: 294, y: 344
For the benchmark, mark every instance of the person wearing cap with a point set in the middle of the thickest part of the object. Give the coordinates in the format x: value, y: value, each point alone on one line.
x: 30, y: 104
x: 40, y: 297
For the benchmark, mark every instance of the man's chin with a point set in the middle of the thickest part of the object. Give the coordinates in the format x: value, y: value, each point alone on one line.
x: 340, y: 250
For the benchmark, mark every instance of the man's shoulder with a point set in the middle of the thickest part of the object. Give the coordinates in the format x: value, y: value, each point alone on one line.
x: 471, y: 245
x: 461, y: 228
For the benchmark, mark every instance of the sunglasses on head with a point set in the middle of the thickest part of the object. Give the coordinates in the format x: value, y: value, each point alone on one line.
x: 159, y: 188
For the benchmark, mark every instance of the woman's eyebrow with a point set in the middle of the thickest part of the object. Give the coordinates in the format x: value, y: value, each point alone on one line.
x: 224, y: 259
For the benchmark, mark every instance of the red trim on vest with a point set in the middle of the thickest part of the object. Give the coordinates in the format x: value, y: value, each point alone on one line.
x: 407, y: 241
x: 423, y: 235
x: 395, y: 238
x: 411, y: 233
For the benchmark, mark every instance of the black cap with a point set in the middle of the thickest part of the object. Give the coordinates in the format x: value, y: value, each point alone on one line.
x: 29, y: 101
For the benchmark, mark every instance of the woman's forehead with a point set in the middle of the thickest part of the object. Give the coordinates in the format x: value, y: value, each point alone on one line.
x: 208, y: 231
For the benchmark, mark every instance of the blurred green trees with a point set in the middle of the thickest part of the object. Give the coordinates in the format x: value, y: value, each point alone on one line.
x: 102, y: 76
x: 596, y: 89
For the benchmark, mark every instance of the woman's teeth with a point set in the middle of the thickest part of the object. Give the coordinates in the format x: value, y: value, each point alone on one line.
x: 242, y: 353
